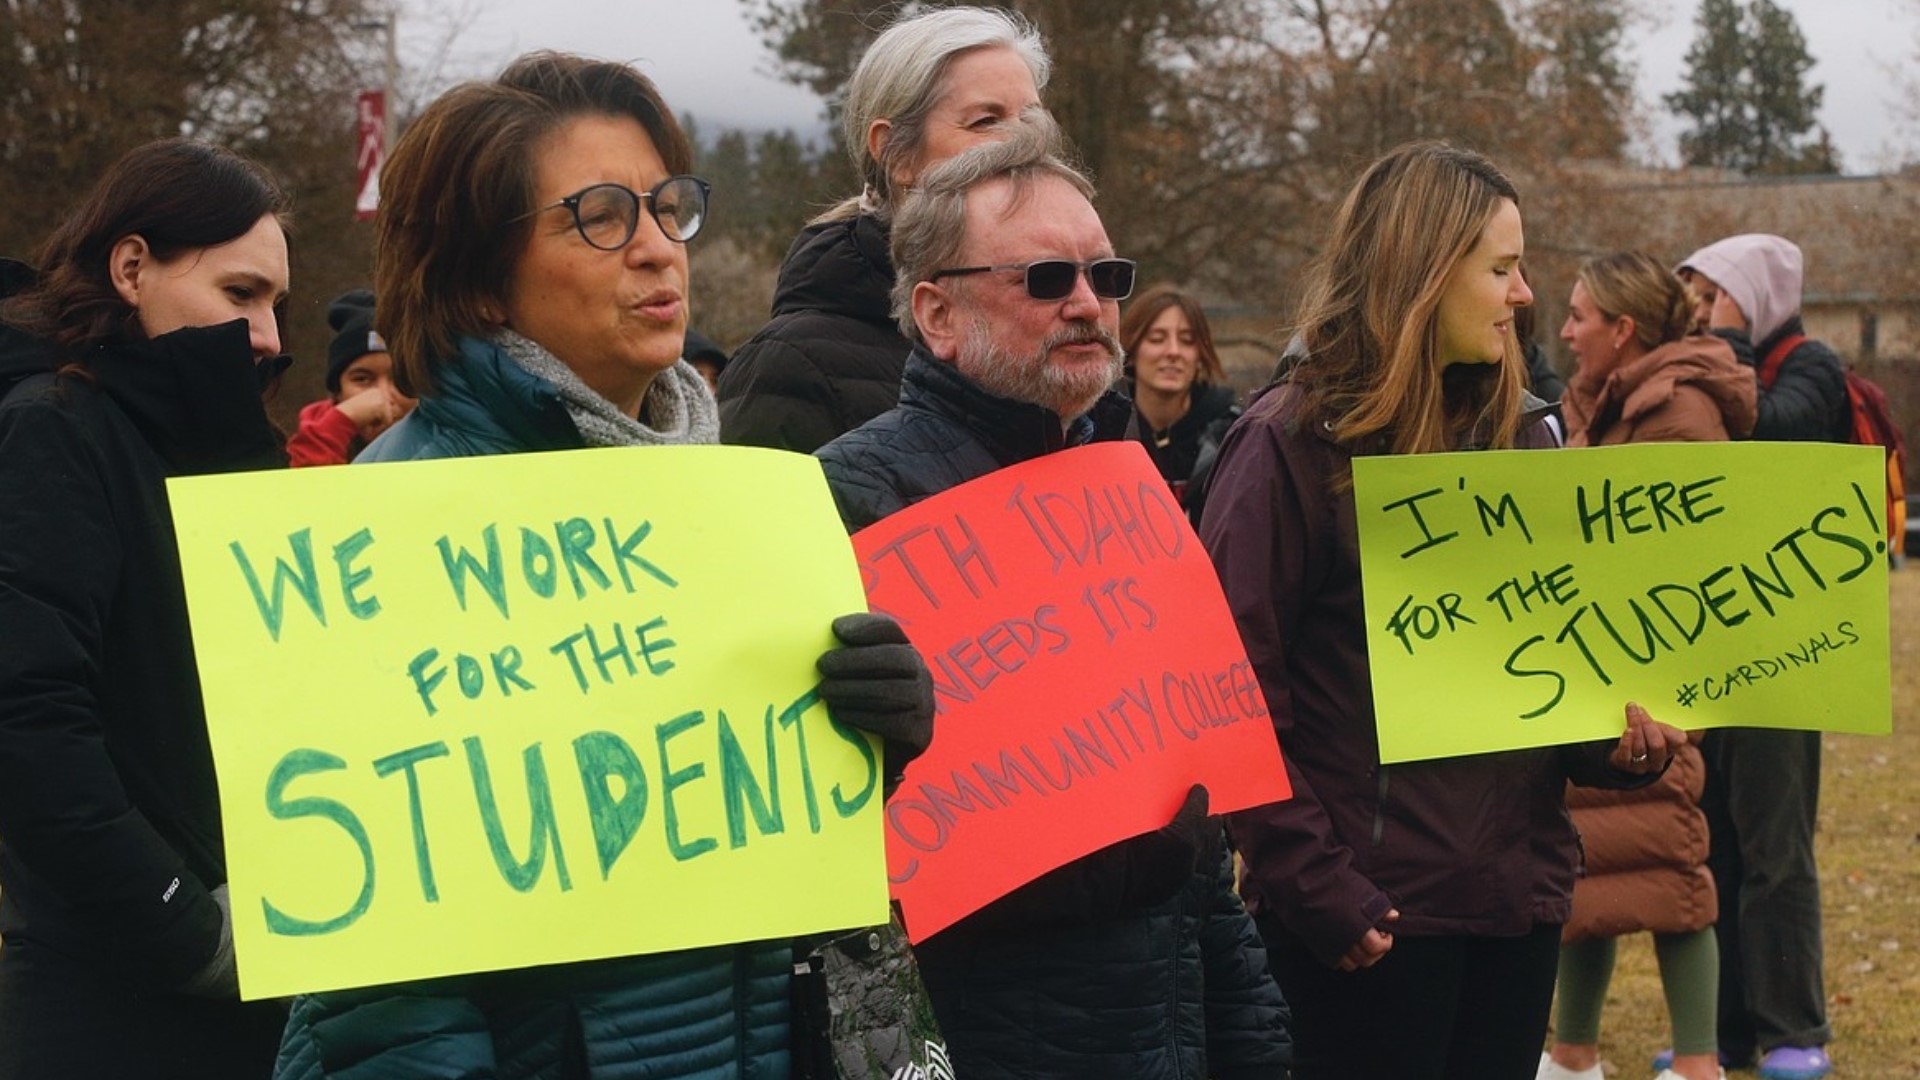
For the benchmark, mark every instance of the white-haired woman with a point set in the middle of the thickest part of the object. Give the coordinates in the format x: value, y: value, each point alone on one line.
x: 927, y: 88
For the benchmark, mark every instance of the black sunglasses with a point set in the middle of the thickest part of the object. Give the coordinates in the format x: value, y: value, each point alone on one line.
x: 608, y: 214
x: 1053, y: 279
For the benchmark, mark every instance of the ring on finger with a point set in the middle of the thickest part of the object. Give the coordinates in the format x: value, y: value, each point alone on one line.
x: 1639, y: 757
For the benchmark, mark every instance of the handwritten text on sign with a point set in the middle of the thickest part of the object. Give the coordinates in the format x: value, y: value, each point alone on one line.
x: 1521, y: 599
x: 1086, y: 672
x: 505, y: 711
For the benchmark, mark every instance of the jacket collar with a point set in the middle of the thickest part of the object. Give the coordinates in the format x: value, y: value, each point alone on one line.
x: 195, y: 396
x: 1013, y: 431
x: 483, y: 390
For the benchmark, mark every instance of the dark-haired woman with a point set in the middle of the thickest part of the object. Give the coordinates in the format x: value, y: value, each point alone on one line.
x: 550, y: 314
x: 1411, y: 911
x: 137, y: 351
x: 1179, y: 389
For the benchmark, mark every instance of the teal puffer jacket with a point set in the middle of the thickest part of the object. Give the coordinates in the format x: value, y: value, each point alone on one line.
x: 705, y: 1014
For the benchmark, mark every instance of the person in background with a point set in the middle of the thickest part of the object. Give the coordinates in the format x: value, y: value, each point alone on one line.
x: 1411, y: 912
x: 362, y: 401
x: 1179, y: 389
x: 928, y: 87
x: 707, y: 358
x: 1640, y: 377
x: 138, y: 351
x: 1763, y: 787
x: 1137, y: 960
x: 549, y: 313
x: 1543, y: 381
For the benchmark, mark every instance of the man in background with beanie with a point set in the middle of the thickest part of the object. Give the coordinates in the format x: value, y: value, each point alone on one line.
x: 364, y: 401
x: 1763, y: 786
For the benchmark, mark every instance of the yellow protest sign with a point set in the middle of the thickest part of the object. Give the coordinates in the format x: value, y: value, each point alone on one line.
x: 497, y: 712
x: 1523, y: 598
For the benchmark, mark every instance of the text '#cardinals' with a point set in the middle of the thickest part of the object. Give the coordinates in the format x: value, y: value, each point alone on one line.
x: 1086, y: 674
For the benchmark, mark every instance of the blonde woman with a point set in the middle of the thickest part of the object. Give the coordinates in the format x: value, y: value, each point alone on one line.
x: 1412, y: 912
x: 1640, y: 377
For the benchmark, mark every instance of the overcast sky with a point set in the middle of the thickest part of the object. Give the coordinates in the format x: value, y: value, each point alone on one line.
x: 708, y: 62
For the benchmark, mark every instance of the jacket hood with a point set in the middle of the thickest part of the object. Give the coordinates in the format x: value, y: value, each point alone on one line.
x: 1763, y: 273
x: 841, y: 267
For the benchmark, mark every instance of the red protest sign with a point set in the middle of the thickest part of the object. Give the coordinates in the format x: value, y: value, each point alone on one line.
x: 1086, y: 673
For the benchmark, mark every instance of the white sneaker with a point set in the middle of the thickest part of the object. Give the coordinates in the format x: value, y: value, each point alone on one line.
x: 1551, y: 1071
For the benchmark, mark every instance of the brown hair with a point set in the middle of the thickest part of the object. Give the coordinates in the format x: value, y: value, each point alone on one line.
x: 1637, y: 285
x: 455, y: 195
x: 1371, y: 306
x: 1141, y: 312
x: 179, y: 195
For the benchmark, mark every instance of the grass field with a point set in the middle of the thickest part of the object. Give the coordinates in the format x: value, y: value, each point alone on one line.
x: 1869, y: 853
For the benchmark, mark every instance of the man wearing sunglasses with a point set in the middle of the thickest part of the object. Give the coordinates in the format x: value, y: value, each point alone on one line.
x: 1136, y: 960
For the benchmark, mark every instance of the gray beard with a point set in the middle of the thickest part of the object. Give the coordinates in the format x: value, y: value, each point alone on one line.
x: 1036, y: 379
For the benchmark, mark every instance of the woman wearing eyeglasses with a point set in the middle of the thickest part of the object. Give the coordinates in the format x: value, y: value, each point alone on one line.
x: 136, y: 352
x: 1179, y: 388
x: 831, y: 357
x: 531, y: 281
x: 1412, y: 912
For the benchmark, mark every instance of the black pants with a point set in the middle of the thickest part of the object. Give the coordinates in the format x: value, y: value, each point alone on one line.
x: 1763, y: 792
x: 1436, y: 1008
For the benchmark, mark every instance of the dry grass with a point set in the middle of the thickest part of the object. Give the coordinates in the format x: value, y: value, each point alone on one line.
x: 1869, y: 853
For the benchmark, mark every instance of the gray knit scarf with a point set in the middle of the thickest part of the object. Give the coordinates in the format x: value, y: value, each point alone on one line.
x: 677, y: 410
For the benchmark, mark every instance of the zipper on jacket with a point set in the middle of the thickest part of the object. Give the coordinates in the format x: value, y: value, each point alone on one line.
x: 1380, y: 808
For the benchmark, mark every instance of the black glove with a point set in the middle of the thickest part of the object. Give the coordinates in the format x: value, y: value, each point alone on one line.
x: 876, y: 681
x: 1162, y: 862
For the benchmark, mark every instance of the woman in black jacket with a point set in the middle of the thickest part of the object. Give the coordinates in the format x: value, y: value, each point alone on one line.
x: 831, y: 358
x: 138, y: 352
x: 1181, y: 398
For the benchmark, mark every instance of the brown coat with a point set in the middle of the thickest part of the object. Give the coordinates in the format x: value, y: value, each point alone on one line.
x: 1646, y: 854
x: 1646, y: 849
x: 1690, y: 390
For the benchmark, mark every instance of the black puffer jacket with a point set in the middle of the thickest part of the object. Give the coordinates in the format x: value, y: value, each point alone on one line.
x: 110, y: 817
x: 1061, y: 978
x: 830, y: 359
x: 1808, y: 399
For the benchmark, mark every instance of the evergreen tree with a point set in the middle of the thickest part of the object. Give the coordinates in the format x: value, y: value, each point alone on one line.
x: 1746, y: 93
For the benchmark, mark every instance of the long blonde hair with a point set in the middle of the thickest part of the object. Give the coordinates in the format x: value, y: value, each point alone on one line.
x: 1369, y: 316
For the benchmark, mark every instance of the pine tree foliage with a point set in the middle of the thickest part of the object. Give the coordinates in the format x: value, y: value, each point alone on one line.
x: 1746, y: 94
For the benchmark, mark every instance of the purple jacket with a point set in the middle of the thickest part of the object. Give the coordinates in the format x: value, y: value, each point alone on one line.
x: 1478, y: 845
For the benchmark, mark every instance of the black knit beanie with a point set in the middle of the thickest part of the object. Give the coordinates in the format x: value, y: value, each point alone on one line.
x: 351, y: 316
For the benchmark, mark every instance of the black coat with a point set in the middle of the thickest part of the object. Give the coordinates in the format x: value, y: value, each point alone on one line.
x: 1062, y: 977
x: 1186, y: 457
x: 1808, y: 399
x: 108, y: 808
x: 831, y: 357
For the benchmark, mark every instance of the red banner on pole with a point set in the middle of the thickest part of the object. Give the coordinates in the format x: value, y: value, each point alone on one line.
x: 372, y: 153
x: 1086, y: 672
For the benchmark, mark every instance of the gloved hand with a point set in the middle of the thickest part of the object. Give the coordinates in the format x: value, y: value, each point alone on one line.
x: 876, y: 681
x: 1162, y: 862
x: 219, y: 978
